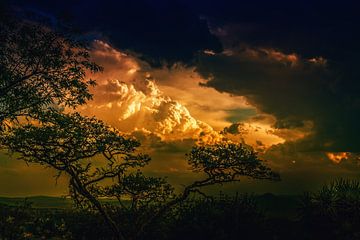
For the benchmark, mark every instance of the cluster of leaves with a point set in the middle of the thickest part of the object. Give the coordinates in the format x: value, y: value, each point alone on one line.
x: 334, y: 211
x: 40, y: 67
x: 141, y: 190
x: 227, y: 162
x: 63, y: 141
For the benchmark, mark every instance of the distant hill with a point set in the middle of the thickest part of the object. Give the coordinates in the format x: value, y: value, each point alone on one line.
x: 38, y: 201
x: 279, y: 206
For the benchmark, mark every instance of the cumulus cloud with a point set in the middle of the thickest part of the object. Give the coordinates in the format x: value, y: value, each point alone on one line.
x: 129, y: 109
x: 129, y: 100
x: 206, y: 104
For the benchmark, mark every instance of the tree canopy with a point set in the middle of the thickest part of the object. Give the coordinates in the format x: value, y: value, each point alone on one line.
x: 67, y: 142
x: 40, y: 67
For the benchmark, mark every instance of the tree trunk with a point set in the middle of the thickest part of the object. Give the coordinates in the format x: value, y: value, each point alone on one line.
x: 76, y: 182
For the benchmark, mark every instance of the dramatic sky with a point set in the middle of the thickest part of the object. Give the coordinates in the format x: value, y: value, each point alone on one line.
x: 281, y: 76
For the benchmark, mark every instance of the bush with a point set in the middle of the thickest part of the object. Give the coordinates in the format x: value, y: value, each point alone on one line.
x: 225, y: 217
x: 24, y: 222
x: 333, y: 212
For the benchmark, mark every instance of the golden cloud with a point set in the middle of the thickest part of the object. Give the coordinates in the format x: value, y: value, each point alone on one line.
x: 337, y: 157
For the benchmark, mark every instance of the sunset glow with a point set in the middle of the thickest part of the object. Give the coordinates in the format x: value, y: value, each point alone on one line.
x: 338, y: 157
x: 197, y: 73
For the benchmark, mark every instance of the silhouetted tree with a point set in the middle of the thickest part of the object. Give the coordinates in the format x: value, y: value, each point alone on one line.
x: 39, y: 68
x: 332, y: 212
x: 221, y: 163
x: 66, y: 142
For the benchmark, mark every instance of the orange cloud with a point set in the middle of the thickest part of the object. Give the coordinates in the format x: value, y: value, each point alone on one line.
x: 206, y: 104
x: 280, y: 56
x: 337, y: 157
x: 269, y: 54
x: 318, y: 61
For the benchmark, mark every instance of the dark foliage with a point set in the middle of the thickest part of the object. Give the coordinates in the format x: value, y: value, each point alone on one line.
x: 39, y: 68
x: 66, y: 143
x: 220, y: 218
x: 23, y: 222
x: 333, y: 212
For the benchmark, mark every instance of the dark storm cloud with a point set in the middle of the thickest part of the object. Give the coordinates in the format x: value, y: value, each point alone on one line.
x: 158, y: 30
x: 329, y: 98
x: 173, y: 30
x: 311, y: 28
x: 294, y: 90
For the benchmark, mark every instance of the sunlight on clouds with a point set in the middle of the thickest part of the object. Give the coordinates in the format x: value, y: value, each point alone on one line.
x: 171, y: 103
x: 270, y: 54
x: 259, y: 135
x: 318, y: 60
x: 259, y: 132
x: 337, y: 157
x: 209, y: 52
x: 206, y: 104
x: 128, y: 109
x: 117, y: 65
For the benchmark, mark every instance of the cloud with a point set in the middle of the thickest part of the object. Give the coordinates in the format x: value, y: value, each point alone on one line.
x: 337, y: 157
x: 117, y: 65
x: 206, y: 104
x: 287, y: 159
x: 303, y: 95
x: 128, y: 99
x: 158, y: 30
x: 172, y: 104
x: 129, y: 109
x: 310, y: 28
x: 169, y: 103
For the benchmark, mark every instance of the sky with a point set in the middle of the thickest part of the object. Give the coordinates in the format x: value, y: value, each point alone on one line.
x: 281, y: 76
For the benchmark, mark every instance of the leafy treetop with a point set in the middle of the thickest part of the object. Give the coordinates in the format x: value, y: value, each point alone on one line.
x: 39, y: 68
